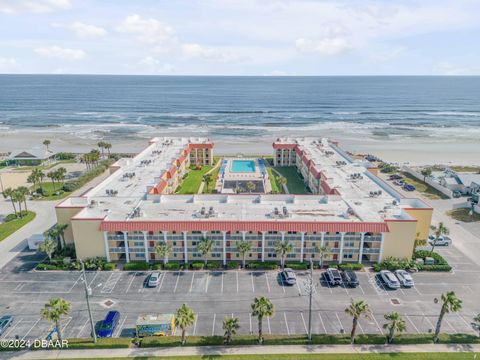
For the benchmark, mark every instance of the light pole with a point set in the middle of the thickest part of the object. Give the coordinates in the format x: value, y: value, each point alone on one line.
x: 88, y: 292
x: 310, y: 290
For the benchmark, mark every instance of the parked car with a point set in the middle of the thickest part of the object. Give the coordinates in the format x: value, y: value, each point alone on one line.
x: 389, y: 279
x: 109, y: 324
x: 349, y: 278
x: 408, y: 187
x: 153, y: 279
x: 457, y: 194
x: 288, y: 276
x: 399, y: 182
x: 405, y: 278
x: 395, y: 177
x: 5, y: 322
x: 333, y: 277
x: 440, y: 241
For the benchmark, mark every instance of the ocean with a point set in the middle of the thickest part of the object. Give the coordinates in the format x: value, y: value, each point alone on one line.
x: 128, y: 107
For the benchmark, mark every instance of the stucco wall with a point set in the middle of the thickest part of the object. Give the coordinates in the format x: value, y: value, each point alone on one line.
x: 64, y: 214
x: 400, y: 240
x: 424, y: 220
x: 89, y: 240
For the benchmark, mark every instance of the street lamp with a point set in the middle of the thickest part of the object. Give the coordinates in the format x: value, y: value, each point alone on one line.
x: 88, y: 293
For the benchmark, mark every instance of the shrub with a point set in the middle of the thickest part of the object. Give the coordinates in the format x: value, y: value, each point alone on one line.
x: 10, y: 217
x: 65, y: 156
x: 157, y: 266
x: 197, y: 265
x: 458, y: 339
x: 435, y: 267
x: 109, y: 266
x: 102, y: 343
x: 350, y: 266
x: 46, y: 267
x: 413, y: 339
x: 233, y: 265
x: 258, y: 265
x: 96, y: 263
x: 70, y: 186
x: 391, y: 263
x: 171, y: 266
x: 213, y: 265
x: 297, y: 266
x: 132, y: 266
x: 422, y: 254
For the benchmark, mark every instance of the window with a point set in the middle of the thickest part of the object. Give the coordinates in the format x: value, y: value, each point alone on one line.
x: 347, y: 256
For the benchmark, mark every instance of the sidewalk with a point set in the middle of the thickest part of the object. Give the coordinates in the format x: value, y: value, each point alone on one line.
x: 240, y: 350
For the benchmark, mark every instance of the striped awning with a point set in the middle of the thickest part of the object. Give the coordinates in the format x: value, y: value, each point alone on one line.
x: 255, y: 226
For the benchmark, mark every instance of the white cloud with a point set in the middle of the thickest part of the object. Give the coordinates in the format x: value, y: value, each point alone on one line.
x: 87, y: 31
x: 150, y: 31
x: 61, y: 53
x: 327, y: 46
x: 4, y: 61
x: 35, y: 6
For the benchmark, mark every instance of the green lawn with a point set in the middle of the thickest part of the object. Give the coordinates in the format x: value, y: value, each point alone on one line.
x: 273, y: 181
x: 463, y: 215
x: 465, y: 168
x: 49, y: 191
x: 8, y: 228
x: 214, y: 181
x: 295, y: 183
x: 191, y: 183
x: 428, y: 191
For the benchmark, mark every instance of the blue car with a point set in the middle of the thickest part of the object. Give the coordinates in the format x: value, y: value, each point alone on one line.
x: 408, y: 187
x: 109, y: 324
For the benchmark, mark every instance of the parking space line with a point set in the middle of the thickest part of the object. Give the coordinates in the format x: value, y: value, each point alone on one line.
x: 191, y: 282
x: 469, y: 326
x: 329, y: 287
x: 360, y: 327
x: 286, y: 322
x: 131, y: 281
x: 403, y: 292
x: 120, y: 328
x: 451, y: 327
x: 269, y: 327
x: 12, y: 328
x: 213, y: 326
x: 304, y: 323
x: 428, y: 320
x: 221, y: 290
x: 321, y: 321
x: 298, y: 287
x: 411, y: 322
x: 83, y: 327
x: 207, y: 282
x: 250, y: 317
x: 346, y: 289
x: 91, y: 282
x: 266, y: 279
x: 418, y: 291
x: 283, y: 285
x: 195, y: 325
x: 360, y: 287
x: 338, y: 318
x: 35, y: 324
x: 236, y: 272
x: 251, y: 278
x: 68, y: 322
x: 164, y: 275
x: 176, y: 282
x: 378, y: 325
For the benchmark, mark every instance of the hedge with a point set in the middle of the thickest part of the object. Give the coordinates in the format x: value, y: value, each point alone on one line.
x: 102, y: 343
x: 258, y: 265
x: 351, y: 266
x: 422, y: 254
x: 233, y: 265
x: 298, y: 266
x: 171, y: 266
x: 435, y: 268
x: 136, y: 266
x: 197, y: 265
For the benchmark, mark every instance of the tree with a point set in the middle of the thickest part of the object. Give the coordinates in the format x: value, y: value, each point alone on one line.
x: 230, y: 326
x: 356, y: 309
x: 251, y: 186
x: 476, y: 323
x: 22, y: 195
x: 282, y: 181
x: 18, y: 197
x: 282, y: 248
x: 101, y: 145
x: 163, y: 250
x: 60, y: 174
x: 53, y: 235
x: 426, y: 172
x: 204, y: 247
x: 243, y: 247
x: 450, y: 303
x: 184, y: 317
x: 9, y: 194
x: 396, y: 324
x: 54, y: 310
x: 208, y: 179
x: 322, y: 251
x: 107, y: 146
x: 47, y: 144
x: 439, y: 230
x: 262, y: 307
x: 48, y: 247
x: 52, y: 175
x: 60, y: 232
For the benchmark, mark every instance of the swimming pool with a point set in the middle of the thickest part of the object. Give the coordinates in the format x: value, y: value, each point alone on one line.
x: 244, y: 166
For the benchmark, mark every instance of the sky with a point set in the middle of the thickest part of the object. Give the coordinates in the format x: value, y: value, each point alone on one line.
x: 240, y: 37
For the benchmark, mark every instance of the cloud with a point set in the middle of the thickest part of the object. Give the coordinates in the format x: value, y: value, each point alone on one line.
x: 87, y: 31
x: 327, y: 46
x: 35, y: 6
x: 447, y: 68
x: 197, y: 51
x: 150, y: 31
x: 7, y: 63
x: 61, y: 53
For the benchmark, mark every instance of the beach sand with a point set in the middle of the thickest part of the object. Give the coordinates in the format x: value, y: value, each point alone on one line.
x: 403, y: 150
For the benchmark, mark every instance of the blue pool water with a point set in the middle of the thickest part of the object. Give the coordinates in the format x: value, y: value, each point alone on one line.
x: 244, y: 166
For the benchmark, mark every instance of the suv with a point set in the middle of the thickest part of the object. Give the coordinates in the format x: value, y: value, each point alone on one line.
x: 350, y: 278
x: 389, y: 279
x: 5, y: 322
x: 153, y: 279
x: 440, y: 241
x: 288, y: 276
x: 405, y: 278
x: 408, y: 187
x: 109, y: 324
x: 395, y: 177
x: 333, y: 277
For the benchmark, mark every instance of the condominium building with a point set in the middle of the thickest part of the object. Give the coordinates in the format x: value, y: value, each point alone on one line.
x: 352, y: 211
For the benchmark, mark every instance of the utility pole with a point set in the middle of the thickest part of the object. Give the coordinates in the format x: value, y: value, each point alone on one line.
x: 310, y: 290
x: 88, y: 292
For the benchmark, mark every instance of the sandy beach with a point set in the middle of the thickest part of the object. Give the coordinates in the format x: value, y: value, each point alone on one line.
x: 405, y: 150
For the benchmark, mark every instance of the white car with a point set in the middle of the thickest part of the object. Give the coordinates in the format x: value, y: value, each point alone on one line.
x: 440, y: 241
x: 389, y: 279
x: 405, y: 278
x: 153, y: 279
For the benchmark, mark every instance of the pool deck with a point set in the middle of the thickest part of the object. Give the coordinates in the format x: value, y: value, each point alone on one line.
x: 228, y: 175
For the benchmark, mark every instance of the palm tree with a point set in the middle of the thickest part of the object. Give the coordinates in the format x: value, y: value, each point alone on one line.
x: 204, y: 247
x: 230, y: 325
x: 439, y: 230
x: 450, y: 303
x: 251, y: 186
x: 476, y: 323
x: 101, y: 145
x: 54, y: 310
x: 47, y: 143
x: 282, y: 248
x: 322, y: 251
x: 163, y: 250
x: 54, y: 235
x: 60, y: 174
x: 23, y: 192
x: 282, y: 181
x: 426, y: 172
x: 243, y: 247
x: 9, y: 194
x: 356, y: 309
x: 107, y: 146
x: 48, y: 247
x: 262, y: 307
x: 52, y: 175
x: 60, y: 230
x: 184, y: 317
x: 18, y: 197
x: 208, y: 179
x: 396, y: 324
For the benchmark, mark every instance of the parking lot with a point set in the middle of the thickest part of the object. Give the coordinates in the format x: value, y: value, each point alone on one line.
x: 214, y: 295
